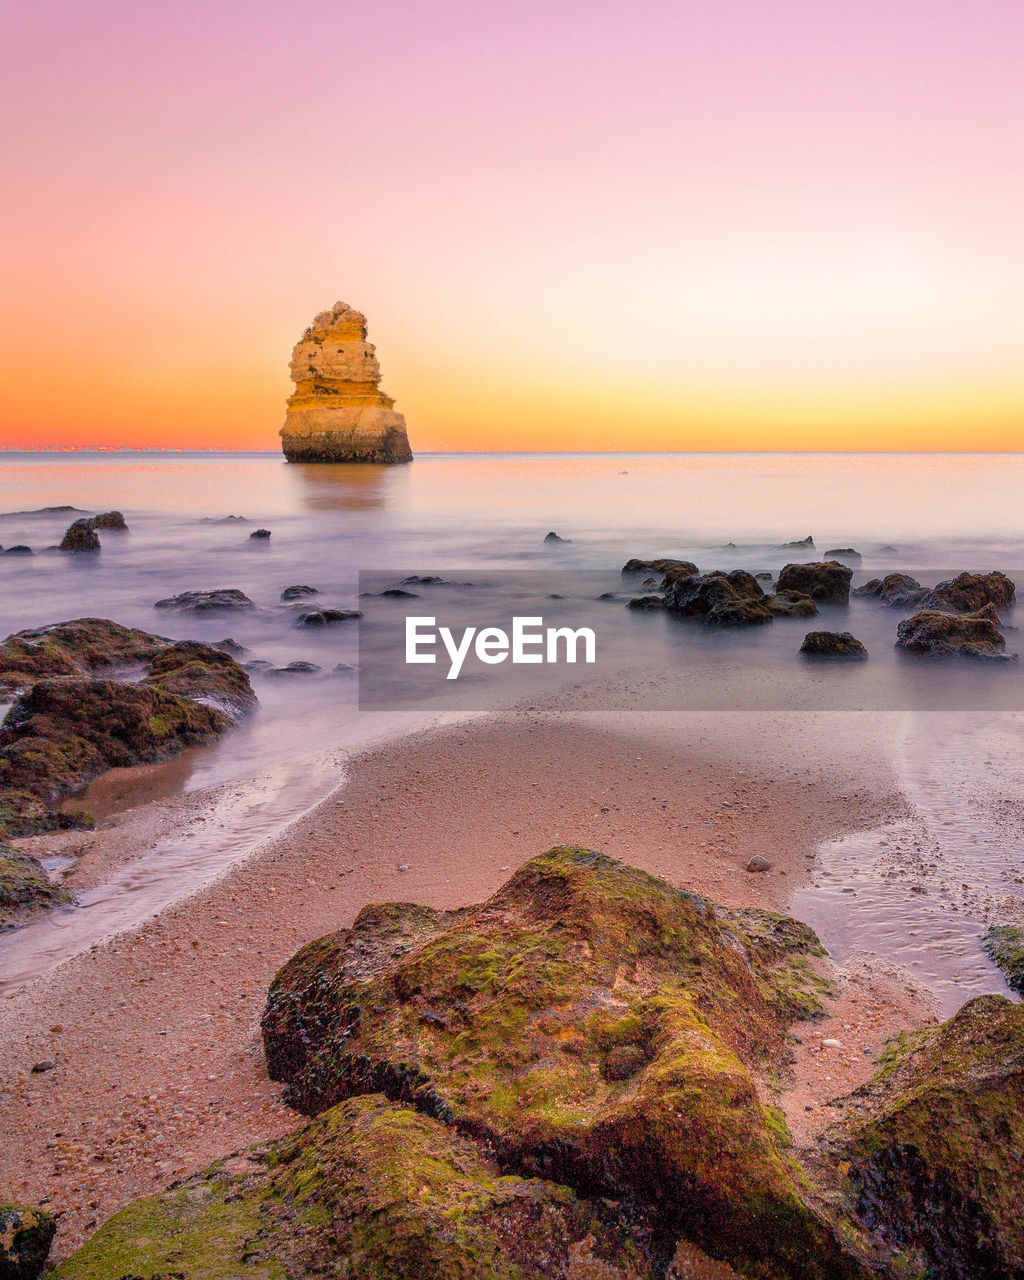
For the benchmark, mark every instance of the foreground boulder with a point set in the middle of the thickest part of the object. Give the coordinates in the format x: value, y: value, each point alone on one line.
x: 24, y: 888
x: 733, y: 599
x: 896, y: 590
x: 25, y: 1238
x: 81, y: 648
x: 590, y: 1025
x: 933, y: 1161
x: 370, y: 1190
x: 969, y: 635
x: 826, y: 581
x: 969, y: 592
x: 833, y: 644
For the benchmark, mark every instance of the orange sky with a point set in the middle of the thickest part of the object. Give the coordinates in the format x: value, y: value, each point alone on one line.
x: 757, y: 227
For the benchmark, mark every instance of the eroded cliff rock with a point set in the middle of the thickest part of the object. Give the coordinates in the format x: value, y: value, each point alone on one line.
x: 337, y: 412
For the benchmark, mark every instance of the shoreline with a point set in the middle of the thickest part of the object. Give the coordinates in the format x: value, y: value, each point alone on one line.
x: 155, y: 1034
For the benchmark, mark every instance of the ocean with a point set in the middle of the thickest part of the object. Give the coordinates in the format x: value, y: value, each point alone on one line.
x: 483, y: 518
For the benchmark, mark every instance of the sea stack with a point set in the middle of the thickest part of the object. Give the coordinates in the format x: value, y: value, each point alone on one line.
x: 337, y: 412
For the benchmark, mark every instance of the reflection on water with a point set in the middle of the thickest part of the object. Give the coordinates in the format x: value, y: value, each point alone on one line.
x: 341, y: 486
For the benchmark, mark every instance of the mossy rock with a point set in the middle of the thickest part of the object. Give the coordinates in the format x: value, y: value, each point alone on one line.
x: 81, y: 648
x: 61, y: 734
x: 24, y: 887
x: 68, y: 727
x: 825, y: 581
x: 1005, y: 944
x: 733, y: 599
x: 595, y: 1027
x: 25, y: 1237
x: 371, y: 1190
x: 934, y: 1157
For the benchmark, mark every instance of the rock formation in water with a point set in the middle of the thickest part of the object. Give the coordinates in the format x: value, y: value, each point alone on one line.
x: 337, y: 412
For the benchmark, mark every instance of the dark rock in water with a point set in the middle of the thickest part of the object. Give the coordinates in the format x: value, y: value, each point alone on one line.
x: 373, y: 1190
x: 790, y: 604
x: 230, y: 646
x: 969, y: 592
x: 25, y: 1238
x: 80, y: 648
x: 888, y: 550
x: 805, y: 544
x: 934, y: 1150
x: 721, y: 599
x: 645, y: 602
x: 970, y: 635
x: 258, y: 665
x: 825, y: 581
x: 260, y: 534
x: 80, y: 536
x: 19, y: 550
x: 1005, y: 944
x: 659, y: 566
x: 392, y: 593
x: 207, y: 601
x: 325, y: 617
x: 846, y: 554
x: 896, y: 590
x: 422, y: 580
x: 764, y: 576
x: 296, y: 669
x: 110, y: 520
x: 833, y: 644
x: 24, y: 888
x: 577, y: 972
x: 46, y: 511
x: 553, y: 537
x: 298, y: 593
x: 66, y: 729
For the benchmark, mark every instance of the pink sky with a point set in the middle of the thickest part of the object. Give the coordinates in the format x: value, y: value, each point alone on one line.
x: 571, y: 225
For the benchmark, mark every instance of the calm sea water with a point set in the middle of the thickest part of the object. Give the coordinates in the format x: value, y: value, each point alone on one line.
x: 484, y: 514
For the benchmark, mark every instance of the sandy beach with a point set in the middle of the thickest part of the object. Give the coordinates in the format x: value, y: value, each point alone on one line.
x: 154, y: 1035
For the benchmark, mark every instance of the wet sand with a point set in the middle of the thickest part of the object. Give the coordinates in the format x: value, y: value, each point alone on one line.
x: 154, y: 1035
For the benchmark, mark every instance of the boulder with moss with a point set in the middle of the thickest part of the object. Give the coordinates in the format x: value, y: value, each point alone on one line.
x: 370, y: 1189
x: 969, y: 592
x: 733, y: 599
x: 24, y: 888
x: 594, y: 1027
x: 932, y: 1162
x: 825, y: 581
x: 81, y: 648
x: 662, y: 566
x: 80, y: 536
x: 1005, y: 944
x: 25, y: 1237
x: 935, y: 634
x: 895, y: 590
x: 790, y: 604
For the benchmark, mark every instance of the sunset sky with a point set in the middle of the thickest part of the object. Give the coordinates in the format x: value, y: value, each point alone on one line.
x: 677, y: 225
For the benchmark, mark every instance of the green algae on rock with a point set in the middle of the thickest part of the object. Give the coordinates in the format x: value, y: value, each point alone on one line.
x: 594, y: 1027
x: 1005, y: 944
x: 369, y: 1189
x: 25, y: 1237
x: 67, y: 727
x: 81, y: 648
x: 24, y: 887
x: 934, y: 1158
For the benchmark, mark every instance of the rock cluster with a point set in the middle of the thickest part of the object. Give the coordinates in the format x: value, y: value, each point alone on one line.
x: 932, y: 633
x: 570, y: 1081
x: 337, y: 412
